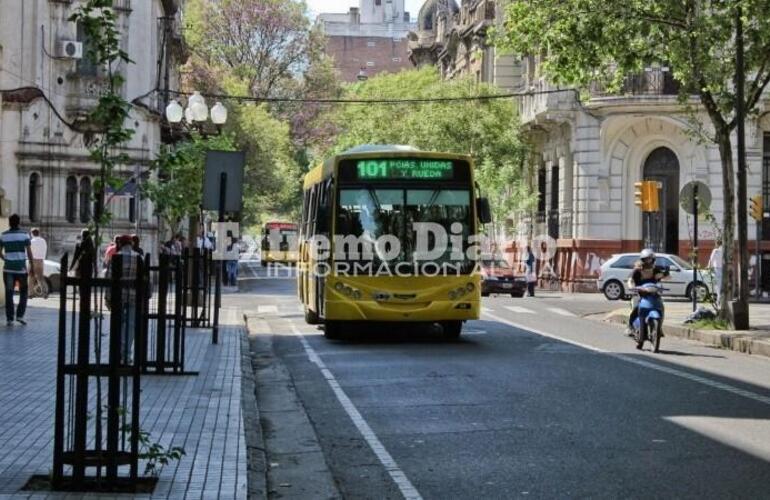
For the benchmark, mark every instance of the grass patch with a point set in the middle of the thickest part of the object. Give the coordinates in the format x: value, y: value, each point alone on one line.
x: 710, y: 324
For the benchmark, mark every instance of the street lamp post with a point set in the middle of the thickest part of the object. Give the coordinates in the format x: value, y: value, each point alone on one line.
x: 195, y: 114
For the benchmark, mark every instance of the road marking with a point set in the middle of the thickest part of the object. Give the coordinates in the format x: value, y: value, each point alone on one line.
x: 520, y: 310
x: 560, y: 311
x: 641, y: 362
x: 268, y: 308
x: 387, y: 461
x: 487, y: 309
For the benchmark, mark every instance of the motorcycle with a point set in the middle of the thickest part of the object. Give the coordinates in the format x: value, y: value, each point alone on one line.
x: 650, y: 298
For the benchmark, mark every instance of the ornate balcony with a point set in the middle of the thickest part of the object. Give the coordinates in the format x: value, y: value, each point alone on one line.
x: 655, y: 81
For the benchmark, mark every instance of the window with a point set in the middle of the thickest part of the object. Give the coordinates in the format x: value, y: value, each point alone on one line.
x: 132, y: 209
x: 71, y: 202
x: 625, y: 262
x: 85, y: 200
x: 541, y: 190
x: 766, y: 186
x: 378, y: 2
x: 86, y: 66
x: 34, y: 197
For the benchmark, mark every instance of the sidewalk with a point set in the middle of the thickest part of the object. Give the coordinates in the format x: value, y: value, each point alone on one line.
x: 753, y: 341
x: 201, y: 414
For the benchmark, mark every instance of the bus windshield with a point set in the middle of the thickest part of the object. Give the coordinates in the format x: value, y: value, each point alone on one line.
x: 370, y: 213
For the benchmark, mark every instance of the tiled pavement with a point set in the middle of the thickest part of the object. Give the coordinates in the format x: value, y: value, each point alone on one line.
x: 202, y: 413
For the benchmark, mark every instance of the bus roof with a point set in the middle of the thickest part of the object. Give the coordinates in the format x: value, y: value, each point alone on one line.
x: 325, y: 169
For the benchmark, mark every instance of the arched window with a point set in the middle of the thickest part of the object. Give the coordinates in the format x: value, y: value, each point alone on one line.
x: 34, y: 197
x: 85, y: 200
x: 71, y: 202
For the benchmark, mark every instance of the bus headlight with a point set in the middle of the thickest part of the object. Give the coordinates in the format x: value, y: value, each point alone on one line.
x: 470, y: 287
x: 339, y: 286
x: 357, y: 295
x: 452, y: 295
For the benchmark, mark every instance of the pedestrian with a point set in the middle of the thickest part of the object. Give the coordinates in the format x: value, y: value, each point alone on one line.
x: 39, y: 252
x: 110, y: 251
x: 84, y: 256
x: 129, y: 261
x: 15, y: 250
x: 715, y: 264
x: 135, y: 243
x: 231, y: 264
x: 531, y: 271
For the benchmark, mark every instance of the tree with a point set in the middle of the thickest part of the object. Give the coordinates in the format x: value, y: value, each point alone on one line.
x: 261, y: 43
x: 176, y: 190
x: 107, y: 120
x: 485, y: 129
x: 588, y: 40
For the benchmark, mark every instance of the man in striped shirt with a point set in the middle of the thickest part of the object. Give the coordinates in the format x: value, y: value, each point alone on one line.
x: 15, y: 250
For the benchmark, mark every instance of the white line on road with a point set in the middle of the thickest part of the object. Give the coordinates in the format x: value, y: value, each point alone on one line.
x: 641, y: 362
x: 520, y: 310
x: 267, y: 308
x: 560, y: 311
x: 387, y: 461
x: 486, y: 309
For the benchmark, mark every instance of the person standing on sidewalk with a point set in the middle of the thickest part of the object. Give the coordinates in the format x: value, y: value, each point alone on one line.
x: 531, y: 272
x: 15, y: 250
x: 715, y: 263
x: 39, y: 252
x: 83, y: 258
x: 129, y: 272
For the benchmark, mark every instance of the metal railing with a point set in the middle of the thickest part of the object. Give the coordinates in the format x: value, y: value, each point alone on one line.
x: 651, y: 81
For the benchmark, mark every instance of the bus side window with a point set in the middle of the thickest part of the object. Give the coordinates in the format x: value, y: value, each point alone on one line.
x: 313, y: 210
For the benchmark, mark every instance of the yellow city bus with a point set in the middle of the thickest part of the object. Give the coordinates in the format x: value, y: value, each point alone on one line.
x: 279, y: 243
x: 365, y: 213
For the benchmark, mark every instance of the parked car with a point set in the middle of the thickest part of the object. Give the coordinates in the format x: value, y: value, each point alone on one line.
x: 614, y: 274
x: 52, y: 273
x: 497, y: 276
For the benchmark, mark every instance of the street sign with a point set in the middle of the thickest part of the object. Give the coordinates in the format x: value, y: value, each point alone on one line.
x: 686, y: 195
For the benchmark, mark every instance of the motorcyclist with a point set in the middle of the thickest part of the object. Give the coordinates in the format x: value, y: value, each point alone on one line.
x: 645, y: 271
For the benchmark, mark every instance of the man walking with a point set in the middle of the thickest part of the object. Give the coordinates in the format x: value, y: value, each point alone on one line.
x: 39, y: 252
x: 15, y: 250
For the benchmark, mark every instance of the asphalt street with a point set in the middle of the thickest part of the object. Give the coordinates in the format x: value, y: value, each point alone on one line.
x: 534, y: 401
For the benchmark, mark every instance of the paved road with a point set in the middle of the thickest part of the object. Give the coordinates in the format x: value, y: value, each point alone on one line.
x: 534, y: 401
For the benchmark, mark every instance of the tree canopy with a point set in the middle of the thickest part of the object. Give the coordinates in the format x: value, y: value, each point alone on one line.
x: 485, y: 129
x: 584, y: 41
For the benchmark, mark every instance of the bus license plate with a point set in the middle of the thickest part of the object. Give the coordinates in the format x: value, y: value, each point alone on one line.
x: 507, y: 285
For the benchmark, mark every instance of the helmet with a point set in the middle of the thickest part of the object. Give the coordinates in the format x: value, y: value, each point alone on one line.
x: 647, y: 254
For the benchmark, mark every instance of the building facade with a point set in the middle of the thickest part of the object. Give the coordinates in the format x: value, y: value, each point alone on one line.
x: 368, y: 39
x: 589, y: 153
x: 48, y: 84
x: 453, y: 38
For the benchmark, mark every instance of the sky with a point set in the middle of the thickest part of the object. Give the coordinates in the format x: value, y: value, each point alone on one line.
x: 339, y: 6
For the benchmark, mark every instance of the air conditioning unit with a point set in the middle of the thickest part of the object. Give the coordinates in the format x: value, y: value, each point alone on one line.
x: 70, y: 49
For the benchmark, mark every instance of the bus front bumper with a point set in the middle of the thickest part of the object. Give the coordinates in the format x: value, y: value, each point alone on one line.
x: 435, y: 311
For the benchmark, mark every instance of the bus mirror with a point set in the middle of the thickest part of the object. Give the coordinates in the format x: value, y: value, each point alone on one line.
x: 483, y: 210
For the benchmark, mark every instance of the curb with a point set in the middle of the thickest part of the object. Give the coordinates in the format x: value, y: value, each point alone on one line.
x: 255, y: 443
x: 738, y: 342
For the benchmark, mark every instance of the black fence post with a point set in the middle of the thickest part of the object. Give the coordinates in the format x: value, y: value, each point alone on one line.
x: 116, y: 345
x: 160, y: 332
x: 80, y: 442
x: 58, y: 430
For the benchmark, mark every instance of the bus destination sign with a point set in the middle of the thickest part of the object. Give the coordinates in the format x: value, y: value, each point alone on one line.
x: 404, y: 168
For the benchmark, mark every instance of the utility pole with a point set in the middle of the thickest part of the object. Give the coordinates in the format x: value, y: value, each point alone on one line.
x: 740, y: 307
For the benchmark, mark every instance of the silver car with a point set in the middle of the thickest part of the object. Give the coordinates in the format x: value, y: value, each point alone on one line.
x: 614, y: 274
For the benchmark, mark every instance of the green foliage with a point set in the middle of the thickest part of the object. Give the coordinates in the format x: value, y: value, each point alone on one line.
x: 584, y: 41
x: 486, y: 130
x: 107, y: 119
x: 176, y: 190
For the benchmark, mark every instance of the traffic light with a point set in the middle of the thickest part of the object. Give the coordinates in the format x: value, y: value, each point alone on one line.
x: 639, y: 195
x: 653, y: 196
x: 755, y: 208
x: 646, y: 195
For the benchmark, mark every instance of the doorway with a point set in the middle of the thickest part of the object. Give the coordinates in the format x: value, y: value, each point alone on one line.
x: 662, y: 228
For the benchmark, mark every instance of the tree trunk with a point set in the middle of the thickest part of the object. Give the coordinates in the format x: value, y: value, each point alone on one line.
x: 728, y: 220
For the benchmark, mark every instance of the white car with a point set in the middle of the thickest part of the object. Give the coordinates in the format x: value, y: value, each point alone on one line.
x: 614, y: 274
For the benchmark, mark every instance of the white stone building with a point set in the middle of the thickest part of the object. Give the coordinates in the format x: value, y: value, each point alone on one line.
x: 45, y: 170
x: 589, y: 154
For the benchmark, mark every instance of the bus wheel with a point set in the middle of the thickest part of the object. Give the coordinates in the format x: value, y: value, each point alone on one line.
x: 311, y: 317
x: 451, y: 330
x: 333, y: 330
